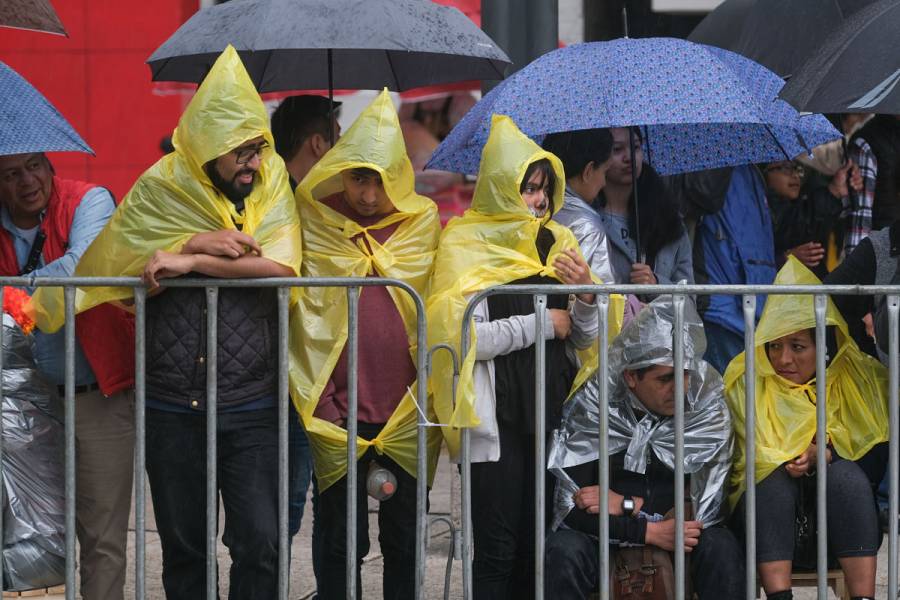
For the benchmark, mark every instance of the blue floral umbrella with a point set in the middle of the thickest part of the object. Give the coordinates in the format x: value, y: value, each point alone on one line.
x: 701, y: 107
x: 29, y: 123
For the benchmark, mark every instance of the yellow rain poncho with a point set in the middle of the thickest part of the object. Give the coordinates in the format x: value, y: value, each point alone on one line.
x: 175, y: 199
x: 857, y: 411
x: 492, y: 244
x: 319, y: 321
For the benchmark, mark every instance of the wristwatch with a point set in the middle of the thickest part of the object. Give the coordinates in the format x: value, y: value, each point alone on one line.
x: 628, y: 506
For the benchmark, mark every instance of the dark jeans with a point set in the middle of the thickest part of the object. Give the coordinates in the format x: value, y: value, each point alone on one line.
x: 301, y: 472
x: 722, y: 345
x: 396, y: 530
x: 503, y: 520
x: 716, y: 565
x: 247, y: 477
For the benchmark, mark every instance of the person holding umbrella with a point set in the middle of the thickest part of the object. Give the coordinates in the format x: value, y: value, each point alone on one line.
x: 663, y: 253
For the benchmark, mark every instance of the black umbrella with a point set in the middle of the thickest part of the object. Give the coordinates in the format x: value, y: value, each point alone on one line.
x: 778, y: 34
x: 857, y: 70
x: 318, y: 44
x: 34, y: 15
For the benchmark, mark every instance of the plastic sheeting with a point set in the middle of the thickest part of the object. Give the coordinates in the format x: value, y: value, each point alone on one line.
x: 319, y: 321
x: 856, y: 386
x: 175, y: 198
x: 645, y: 341
x: 493, y: 243
x: 34, y: 553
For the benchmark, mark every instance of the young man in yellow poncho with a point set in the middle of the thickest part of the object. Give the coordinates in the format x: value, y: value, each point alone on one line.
x: 362, y: 218
x: 856, y: 429
x: 507, y: 236
x: 220, y: 207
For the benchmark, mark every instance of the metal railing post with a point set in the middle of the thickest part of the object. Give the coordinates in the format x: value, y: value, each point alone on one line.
x: 352, y: 413
x: 540, y: 440
x: 422, y: 370
x: 893, y: 305
x: 821, y: 303
x: 212, y: 490
x: 750, y: 443
x: 678, y: 360
x: 69, y: 295
x: 140, y: 441
x: 603, y: 439
x: 284, y: 413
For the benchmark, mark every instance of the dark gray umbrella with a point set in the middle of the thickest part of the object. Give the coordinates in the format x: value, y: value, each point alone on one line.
x: 857, y: 70
x: 35, y: 15
x: 778, y: 34
x: 318, y: 44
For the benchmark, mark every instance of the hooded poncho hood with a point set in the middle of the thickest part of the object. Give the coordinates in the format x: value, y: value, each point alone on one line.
x: 175, y: 199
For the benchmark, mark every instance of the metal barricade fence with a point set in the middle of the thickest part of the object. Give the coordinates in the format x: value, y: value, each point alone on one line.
x: 539, y: 292
x: 679, y: 293
x: 211, y: 287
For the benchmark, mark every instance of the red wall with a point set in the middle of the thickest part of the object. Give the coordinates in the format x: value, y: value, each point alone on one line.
x: 98, y: 80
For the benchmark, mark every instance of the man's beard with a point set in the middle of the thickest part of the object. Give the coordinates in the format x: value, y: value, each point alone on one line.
x: 234, y: 191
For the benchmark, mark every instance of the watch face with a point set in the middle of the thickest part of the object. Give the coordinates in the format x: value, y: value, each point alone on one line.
x: 628, y: 506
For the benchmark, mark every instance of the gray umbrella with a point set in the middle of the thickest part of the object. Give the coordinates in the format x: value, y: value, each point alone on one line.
x: 34, y: 15
x: 318, y: 44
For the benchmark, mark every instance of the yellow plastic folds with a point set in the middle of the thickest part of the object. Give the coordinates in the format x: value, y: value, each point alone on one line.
x: 857, y: 411
x: 175, y: 199
x: 319, y: 321
x: 493, y: 243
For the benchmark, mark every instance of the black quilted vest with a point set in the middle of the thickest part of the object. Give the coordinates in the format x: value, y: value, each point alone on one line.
x: 882, y: 133
x: 247, y: 346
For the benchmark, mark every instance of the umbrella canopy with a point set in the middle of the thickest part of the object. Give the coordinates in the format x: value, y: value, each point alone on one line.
x: 29, y: 123
x: 702, y: 107
x: 857, y: 70
x: 322, y: 44
x: 769, y: 31
x: 35, y: 15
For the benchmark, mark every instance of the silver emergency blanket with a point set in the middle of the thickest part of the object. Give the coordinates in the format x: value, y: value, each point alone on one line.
x: 33, y: 473
x: 586, y: 224
x: 645, y: 341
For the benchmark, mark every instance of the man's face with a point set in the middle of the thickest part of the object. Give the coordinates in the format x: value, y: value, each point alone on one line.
x: 619, y: 172
x: 234, y: 173
x: 364, y: 192
x: 25, y: 184
x: 655, y: 388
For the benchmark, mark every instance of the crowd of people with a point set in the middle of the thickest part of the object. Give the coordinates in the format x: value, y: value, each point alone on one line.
x: 242, y: 196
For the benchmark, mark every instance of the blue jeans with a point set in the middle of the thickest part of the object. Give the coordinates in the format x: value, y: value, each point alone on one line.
x: 247, y: 476
x: 300, y: 461
x: 722, y: 345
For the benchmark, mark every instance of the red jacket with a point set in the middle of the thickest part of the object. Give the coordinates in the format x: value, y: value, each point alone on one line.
x: 105, y: 332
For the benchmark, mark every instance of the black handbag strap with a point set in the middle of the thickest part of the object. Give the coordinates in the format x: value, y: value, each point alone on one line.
x: 34, y: 255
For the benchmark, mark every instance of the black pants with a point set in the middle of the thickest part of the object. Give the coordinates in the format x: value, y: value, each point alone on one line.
x: 716, y: 565
x: 396, y: 530
x: 247, y: 477
x: 852, y: 515
x: 503, y: 520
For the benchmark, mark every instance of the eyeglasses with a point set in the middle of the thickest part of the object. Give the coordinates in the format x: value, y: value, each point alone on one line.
x: 788, y: 169
x: 245, y: 155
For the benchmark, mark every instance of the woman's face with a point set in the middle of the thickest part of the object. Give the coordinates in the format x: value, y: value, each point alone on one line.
x: 784, y: 178
x: 794, y: 356
x: 536, y: 194
x: 619, y: 172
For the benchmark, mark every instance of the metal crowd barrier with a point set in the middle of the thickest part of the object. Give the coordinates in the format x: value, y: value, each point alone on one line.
x: 540, y: 292
x: 679, y: 293
x: 211, y: 287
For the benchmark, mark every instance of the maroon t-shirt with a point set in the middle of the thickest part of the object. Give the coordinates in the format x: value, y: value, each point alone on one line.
x: 385, y: 368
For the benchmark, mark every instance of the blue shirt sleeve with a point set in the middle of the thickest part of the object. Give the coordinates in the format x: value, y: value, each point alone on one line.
x: 91, y: 216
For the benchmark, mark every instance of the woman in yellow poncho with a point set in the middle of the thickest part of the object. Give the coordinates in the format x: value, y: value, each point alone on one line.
x: 507, y: 237
x: 362, y: 218
x: 785, y: 439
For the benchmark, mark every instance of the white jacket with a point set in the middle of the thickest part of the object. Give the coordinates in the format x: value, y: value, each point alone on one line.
x: 496, y: 338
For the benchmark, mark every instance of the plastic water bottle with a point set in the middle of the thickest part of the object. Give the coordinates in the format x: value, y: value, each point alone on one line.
x: 380, y: 483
